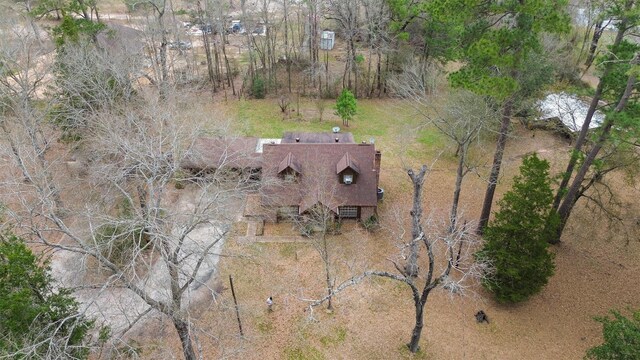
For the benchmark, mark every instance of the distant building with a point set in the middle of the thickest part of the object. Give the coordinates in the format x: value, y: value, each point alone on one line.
x: 327, y: 40
x: 567, y: 110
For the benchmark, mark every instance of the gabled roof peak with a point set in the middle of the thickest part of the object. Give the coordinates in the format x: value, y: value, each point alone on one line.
x: 346, y: 162
x: 289, y: 162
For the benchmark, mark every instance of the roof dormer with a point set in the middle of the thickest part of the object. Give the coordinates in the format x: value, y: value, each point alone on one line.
x: 289, y: 168
x: 346, y: 163
x: 347, y: 170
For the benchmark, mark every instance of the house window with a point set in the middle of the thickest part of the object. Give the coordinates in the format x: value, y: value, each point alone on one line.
x: 347, y: 179
x: 348, y: 212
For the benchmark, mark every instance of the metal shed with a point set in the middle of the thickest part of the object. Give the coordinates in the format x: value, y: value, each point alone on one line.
x: 327, y: 40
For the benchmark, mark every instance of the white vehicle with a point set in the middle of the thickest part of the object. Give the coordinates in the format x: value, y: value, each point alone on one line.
x: 180, y: 45
x: 194, y: 31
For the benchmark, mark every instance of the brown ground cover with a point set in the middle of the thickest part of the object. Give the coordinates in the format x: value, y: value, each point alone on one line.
x: 596, y: 270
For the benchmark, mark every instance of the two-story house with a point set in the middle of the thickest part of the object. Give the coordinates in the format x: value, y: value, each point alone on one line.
x: 303, y: 170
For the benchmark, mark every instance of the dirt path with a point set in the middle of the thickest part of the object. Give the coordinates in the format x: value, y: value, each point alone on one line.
x: 118, y: 307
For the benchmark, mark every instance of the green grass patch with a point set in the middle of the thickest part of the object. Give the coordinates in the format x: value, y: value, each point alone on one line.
x: 392, y: 286
x: 382, y: 120
x: 288, y: 250
x: 263, y: 118
x: 406, y: 354
x: 430, y: 137
x: 256, y: 248
x: 303, y: 353
x: 264, y: 325
x: 333, y: 339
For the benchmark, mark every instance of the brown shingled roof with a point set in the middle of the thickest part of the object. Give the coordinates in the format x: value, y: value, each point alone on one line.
x: 318, y: 181
x: 317, y: 138
x: 213, y: 153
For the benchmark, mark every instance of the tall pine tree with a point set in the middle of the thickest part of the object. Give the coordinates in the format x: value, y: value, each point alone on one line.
x: 495, y: 43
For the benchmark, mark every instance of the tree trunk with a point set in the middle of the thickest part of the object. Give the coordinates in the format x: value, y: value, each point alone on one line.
x: 326, y: 72
x: 83, y: 8
x: 217, y: 64
x: 354, y: 66
x: 164, y: 71
x: 386, y: 73
x: 369, y: 89
x: 495, y: 169
x: 564, y: 211
x: 573, y: 193
x: 207, y: 51
x: 585, y: 126
x: 142, y: 199
x: 286, y: 43
x: 456, y: 192
x: 329, y: 283
x: 597, y: 33
x: 379, y: 72
x: 182, y: 327
x: 411, y: 268
x: 417, y: 329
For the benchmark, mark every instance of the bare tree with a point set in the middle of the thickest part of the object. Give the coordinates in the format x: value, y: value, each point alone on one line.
x: 448, y: 261
x: 319, y: 221
x: 121, y: 202
x: 377, y: 18
x: 27, y: 58
x: 461, y: 116
x: 283, y: 103
x: 346, y: 15
x: 135, y: 162
x: 411, y: 268
x: 287, y: 55
x: 168, y: 245
x: 157, y: 35
x: 108, y: 80
x: 312, y: 29
x: 321, y: 106
x: 449, y: 256
x: 217, y: 12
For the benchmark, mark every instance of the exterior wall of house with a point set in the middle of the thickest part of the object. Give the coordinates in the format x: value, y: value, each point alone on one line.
x: 376, y: 166
x: 349, y: 212
x: 281, y: 213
